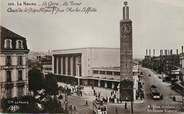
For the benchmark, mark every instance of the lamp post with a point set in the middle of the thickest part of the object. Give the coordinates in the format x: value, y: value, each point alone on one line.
x: 132, y: 109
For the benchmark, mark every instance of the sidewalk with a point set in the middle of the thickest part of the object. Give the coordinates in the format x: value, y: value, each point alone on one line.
x: 87, y: 93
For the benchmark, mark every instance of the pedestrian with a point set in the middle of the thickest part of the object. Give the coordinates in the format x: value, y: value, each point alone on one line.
x: 86, y: 103
x: 80, y: 93
x: 99, y: 94
x: 75, y: 108
x: 70, y: 108
x: 116, y: 110
x: 141, y: 97
x: 94, y: 92
x: 125, y: 105
x: 111, y: 93
x: 92, y: 87
x: 174, y: 98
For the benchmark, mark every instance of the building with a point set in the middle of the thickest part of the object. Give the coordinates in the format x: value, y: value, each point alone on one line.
x: 46, y: 64
x: 103, y: 67
x: 182, y: 58
x: 13, y: 65
x: 182, y: 63
x: 166, y: 63
x: 126, y: 58
x: 35, y: 59
x: 82, y: 63
x: 92, y: 66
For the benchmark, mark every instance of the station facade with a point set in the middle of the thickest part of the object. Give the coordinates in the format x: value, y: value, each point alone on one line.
x: 92, y: 66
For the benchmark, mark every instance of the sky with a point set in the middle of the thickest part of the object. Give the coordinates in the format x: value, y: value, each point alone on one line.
x: 157, y: 24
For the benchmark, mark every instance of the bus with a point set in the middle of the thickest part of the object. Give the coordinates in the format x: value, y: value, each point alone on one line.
x: 155, y: 93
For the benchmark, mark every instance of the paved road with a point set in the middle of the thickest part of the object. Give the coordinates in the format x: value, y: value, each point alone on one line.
x: 138, y: 108
x: 80, y: 104
x: 164, y: 87
x: 148, y: 81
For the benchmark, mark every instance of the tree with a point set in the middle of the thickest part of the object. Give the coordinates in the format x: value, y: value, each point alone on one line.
x: 50, y: 84
x: 35, y: 78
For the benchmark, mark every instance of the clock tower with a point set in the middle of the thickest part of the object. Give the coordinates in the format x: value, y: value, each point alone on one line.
x: 126, y: 64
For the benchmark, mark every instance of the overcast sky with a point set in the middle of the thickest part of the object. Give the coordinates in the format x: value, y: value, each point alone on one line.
x: 157, y: 24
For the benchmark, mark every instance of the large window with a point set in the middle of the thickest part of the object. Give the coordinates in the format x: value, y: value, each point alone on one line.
x: 19, y: 60
x: 95, y: 71
x: 20, y: 91
x: 19, y: 44
x: 8, y: 76
x: 8, y: 43
x: 20, y: 75
x: 109, y: 72
x: 8, y: 92
x: 116, y: 73
x: 8, y: 60
x: 102, y: 72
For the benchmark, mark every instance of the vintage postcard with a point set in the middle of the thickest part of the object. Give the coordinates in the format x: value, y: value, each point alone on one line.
x: 92, y: 56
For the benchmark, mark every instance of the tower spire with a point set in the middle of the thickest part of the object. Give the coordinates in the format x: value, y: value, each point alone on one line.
x: 125, y: 11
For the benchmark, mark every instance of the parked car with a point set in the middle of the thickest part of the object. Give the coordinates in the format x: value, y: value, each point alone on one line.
x: 155, y: 93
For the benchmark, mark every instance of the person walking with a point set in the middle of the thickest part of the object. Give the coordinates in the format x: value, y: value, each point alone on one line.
x: 86, y: 103
x: 125, y: 105
x: 116, y: 110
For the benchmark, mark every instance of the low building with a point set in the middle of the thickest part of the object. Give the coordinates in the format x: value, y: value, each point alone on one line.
x: 46, y: 64
x: 13, y: 64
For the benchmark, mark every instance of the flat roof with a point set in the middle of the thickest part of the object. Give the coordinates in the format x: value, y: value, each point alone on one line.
x: 84, y: 48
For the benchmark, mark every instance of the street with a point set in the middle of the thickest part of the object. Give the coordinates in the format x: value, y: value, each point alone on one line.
x: 165, y: 90
x: 164, y: 87
x: 113, y: 108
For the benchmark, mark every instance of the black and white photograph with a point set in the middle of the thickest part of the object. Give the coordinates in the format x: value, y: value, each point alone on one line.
x: 92, y: 56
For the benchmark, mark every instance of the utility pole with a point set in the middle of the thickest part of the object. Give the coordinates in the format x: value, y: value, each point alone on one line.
x: 132, y: 106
